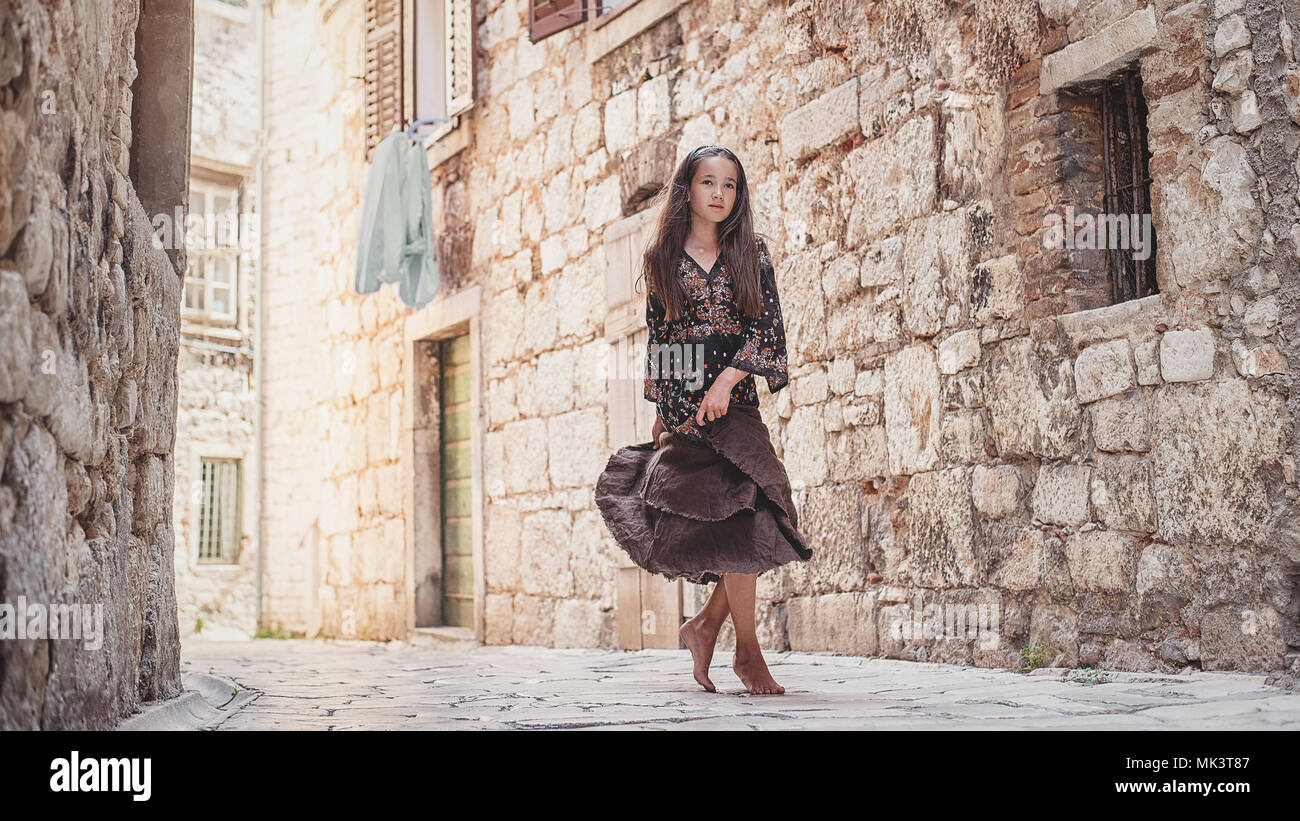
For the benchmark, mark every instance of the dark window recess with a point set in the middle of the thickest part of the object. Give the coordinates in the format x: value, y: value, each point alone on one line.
x: 545, y: 17
x: 1128, y: 183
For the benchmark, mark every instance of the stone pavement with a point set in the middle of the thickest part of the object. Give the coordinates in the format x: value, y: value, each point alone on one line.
x: 336, y: 685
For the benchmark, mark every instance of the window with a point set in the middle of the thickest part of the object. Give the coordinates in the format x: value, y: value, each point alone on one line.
x: 546, y: 17
x: 1080, y: 169
x: 219, y: 523
x: 1128, y: 184
x: 443, y: 57
x: 419, y: 65
x: 212, y: 251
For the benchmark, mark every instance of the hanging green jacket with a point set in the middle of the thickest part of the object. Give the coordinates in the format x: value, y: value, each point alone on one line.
x: 396, y: 239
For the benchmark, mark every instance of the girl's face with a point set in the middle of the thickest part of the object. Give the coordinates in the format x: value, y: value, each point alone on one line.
x: 713, y: 191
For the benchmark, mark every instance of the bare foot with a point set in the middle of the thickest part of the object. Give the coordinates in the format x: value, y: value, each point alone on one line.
x: 699, y: 638
x: 753, y: 673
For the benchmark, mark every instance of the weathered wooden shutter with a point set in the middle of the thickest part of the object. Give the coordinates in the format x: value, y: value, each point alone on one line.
x: 460, y: 56
x: 545, y: 17
x: 384, y: 101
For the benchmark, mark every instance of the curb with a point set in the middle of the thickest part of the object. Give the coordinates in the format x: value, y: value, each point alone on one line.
x: 206, y: 701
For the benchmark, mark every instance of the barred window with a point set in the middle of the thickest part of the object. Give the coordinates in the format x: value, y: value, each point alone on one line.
x: 219, y: 523
x: 1128, y: 183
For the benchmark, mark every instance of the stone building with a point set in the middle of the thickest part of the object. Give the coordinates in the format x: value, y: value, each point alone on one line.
x: 991, y: 412
x: 94, y: 137
x: 216, y: 443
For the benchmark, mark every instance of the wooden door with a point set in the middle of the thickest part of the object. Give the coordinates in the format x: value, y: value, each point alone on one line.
x: 456, y: 484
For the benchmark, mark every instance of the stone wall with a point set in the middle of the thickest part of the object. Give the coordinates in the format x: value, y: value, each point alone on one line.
x: 333, y: 496
x: 1115, y: 484
x: 88, y: 319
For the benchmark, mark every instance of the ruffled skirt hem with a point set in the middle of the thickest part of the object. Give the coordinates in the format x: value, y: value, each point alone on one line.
x: 695, y: 511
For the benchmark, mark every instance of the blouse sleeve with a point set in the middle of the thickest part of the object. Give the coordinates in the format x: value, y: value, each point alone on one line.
x: 658, y: 328
x: 762, y: 351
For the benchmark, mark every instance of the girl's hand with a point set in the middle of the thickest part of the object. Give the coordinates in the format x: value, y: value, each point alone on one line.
x: 659, y: 430
x: 715, y: 401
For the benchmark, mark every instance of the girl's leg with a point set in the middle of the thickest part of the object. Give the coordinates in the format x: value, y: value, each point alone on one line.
x: 748, y: 662
x: 700, y: 633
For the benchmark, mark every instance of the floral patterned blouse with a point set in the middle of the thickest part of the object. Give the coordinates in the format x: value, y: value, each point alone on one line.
x: 714, y: 334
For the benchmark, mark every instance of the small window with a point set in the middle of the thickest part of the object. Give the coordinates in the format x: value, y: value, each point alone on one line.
x: 212, y: 243
x: 1128, y: 183
x: 219, y: 523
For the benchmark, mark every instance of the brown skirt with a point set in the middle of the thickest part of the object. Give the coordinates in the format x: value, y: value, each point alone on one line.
x: 694, y: 511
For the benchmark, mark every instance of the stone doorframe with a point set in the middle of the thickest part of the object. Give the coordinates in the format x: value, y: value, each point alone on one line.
x: 421, y: 466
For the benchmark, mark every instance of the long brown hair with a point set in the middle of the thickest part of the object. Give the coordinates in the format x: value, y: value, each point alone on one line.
x: 663, y: 254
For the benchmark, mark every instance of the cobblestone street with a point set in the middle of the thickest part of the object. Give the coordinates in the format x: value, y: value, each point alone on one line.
x: 317, y: 685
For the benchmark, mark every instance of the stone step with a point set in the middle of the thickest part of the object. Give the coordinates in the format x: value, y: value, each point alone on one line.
x: 444, y: 638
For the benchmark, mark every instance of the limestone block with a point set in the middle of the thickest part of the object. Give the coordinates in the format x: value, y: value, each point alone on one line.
x: 831, y: 520
x: 1230, y: 35
x: 857, y: 453
x: 1121, y: 493
x: 498, y: 618
x: 841, y: 375
x: 912, y: 415
x: 805, y: 446
x: 1031, y: 403
x: 835, y: 622
x: 1016, y: 558
x: 903, y: 166
x: 996, y: 491
x: 941, y: 529
x: 503, y: 531
x: 1061, y: 494
x: 825, y: 120
x: 1258, y: 361
x: 1122, y: 424
x: 595, y: 555
x: 1233, y: 76
x: 1102, y: 561
x: 1055, y: 628
x: 1146, y: 355
x: 1247, y: 639
x: 882, y: 264
x: 1165, y: 568
x: 545, y: 548
x: 1187, y: 355
x: 958, y: 351
x: 1211, y: 442
x: 1103, y: 370
x: 997, y: 290
x: 16, y: 331
x: 962, y: 438
x: 526, y: 451
x: 578, y: 623
x: 534, y: 620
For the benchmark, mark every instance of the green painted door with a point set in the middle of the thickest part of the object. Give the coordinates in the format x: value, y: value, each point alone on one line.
x: 457, y: 485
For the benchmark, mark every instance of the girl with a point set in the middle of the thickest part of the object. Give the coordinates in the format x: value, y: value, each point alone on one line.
x: 708, y: 500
